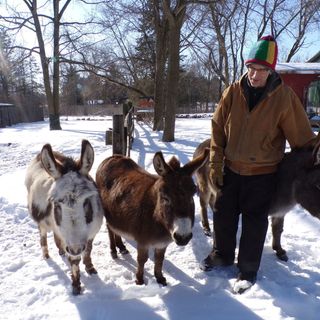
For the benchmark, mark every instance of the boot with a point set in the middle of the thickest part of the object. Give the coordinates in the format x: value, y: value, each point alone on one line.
x: 213, y: 260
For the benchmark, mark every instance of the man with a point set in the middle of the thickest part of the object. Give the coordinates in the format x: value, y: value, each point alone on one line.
x: 254, y: 118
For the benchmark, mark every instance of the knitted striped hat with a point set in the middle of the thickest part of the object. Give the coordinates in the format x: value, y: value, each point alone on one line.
x: 264, y: 52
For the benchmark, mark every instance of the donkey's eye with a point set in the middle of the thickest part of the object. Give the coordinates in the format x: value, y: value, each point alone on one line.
x: 57, y: 213
x: 87, y: 206
x: 188, y: 187
x: 166, y: 200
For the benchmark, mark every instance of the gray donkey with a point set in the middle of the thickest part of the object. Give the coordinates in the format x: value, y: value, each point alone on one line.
x: 63, y: 198
x: 298, y: 182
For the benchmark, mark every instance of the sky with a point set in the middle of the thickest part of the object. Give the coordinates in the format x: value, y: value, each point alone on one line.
x: 36, y: 289
x: 79, y: 11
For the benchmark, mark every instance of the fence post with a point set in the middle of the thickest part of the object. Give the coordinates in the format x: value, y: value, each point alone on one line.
x: 128, y: 127
x: 122, y: 128
x: 118, y: 145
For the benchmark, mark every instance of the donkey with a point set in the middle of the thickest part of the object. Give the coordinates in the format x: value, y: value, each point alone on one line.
x: 298, y: 182
x: 153, y: 210
x: 206, y: 190
x: 63, y: 198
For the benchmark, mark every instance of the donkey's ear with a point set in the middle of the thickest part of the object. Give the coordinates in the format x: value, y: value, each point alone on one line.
x: 87, y: 157
x: 48, y: 161
x: 160, y: 165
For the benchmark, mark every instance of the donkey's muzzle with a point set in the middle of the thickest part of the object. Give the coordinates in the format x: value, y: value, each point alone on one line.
x: 75, y: 250
x: 182, y: 240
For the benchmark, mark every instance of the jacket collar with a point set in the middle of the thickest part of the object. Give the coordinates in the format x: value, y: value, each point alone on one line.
x: 273, y: 81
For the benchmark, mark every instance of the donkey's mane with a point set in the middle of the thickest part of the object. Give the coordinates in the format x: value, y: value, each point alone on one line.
x: 66, y: 164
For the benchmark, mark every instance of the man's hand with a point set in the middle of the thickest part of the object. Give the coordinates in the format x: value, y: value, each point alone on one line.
x: 216, y: 174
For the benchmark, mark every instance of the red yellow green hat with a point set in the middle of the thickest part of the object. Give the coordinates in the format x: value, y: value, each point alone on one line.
x: 264, y: 52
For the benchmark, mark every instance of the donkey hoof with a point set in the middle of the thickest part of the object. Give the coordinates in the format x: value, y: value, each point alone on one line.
x: 207, y: 232
x: 162, y: 281
x: 114, y: 254
x: 139, y: 282
x: 124, y: 251
x: 91, y: 270
x: 76, y: 290
x: 282, y: 256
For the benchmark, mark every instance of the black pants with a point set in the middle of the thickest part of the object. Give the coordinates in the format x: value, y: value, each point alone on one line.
x: 250, y: 196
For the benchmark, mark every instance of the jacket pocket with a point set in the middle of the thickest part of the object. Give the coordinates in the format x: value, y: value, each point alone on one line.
x: 267, y: 144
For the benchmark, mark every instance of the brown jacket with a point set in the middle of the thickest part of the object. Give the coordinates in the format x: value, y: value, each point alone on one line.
x: 254, y: 142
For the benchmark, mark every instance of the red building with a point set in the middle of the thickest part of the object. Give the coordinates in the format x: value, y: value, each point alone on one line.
x: 299, y: 75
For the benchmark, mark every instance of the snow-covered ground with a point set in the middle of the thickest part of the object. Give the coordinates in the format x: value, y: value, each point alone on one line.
x: 33, y: 288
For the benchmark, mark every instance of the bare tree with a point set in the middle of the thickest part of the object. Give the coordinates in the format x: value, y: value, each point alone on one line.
x: 47, y: 29
x: 175, y: 14
x: 161, y: 28
x: 290, y: 20
x: 236, y: 24
x: 18, y: 77
x: 217, y: 32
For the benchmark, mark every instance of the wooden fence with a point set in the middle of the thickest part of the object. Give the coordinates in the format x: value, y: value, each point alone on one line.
x: 11, y: 114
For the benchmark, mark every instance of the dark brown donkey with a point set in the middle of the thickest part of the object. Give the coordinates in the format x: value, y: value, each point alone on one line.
x: 298, y: 182
x: 153, y: 210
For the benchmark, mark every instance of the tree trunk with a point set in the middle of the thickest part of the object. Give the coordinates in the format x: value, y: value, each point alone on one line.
x: 161, y: 28
x: 159, y: 95
x: 175, y: 19
x: 172, y: 86
x: 54, y: 116
x: 43, y: 59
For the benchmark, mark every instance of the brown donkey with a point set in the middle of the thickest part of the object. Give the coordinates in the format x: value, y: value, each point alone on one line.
x: 298, y: 180
x: 153, y: 210
x: 206, y: 190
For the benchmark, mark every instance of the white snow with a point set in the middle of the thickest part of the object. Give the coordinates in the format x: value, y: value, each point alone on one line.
x: 33, y: 288
x: 298, y: 67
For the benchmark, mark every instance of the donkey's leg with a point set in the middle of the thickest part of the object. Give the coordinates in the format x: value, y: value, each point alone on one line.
x: 120, y: 245
x: 43, y: 242
x: 75, y: 275
x: 158, y: 263
x: 113, y: 249
x: 58, y: 243
x: 212, y: 201
x: 142, y: 259
x: 204, y: 201
x: 87, y: 258
x: 277, y: 229
x: 116, y: 242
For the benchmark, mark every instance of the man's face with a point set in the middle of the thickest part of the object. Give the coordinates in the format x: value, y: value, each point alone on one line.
x: 257, y: 75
